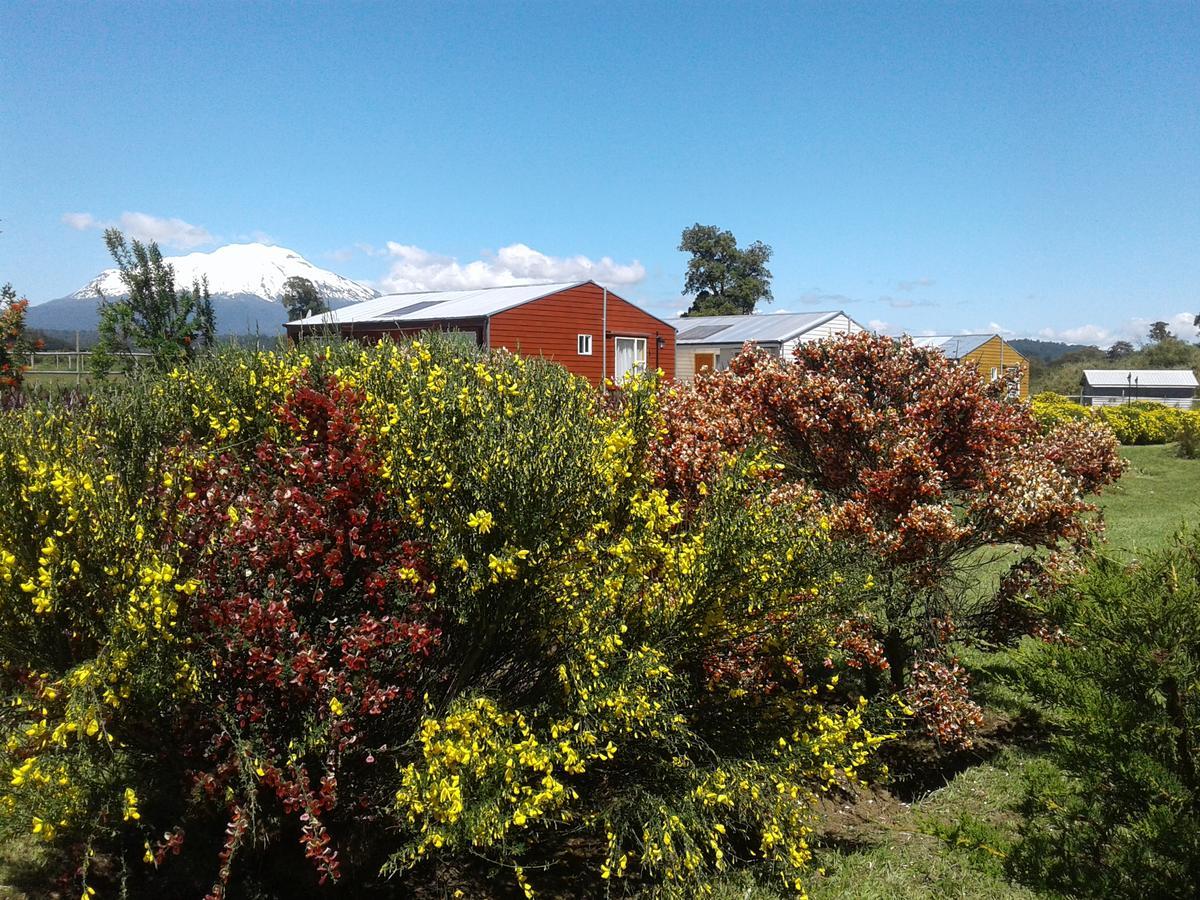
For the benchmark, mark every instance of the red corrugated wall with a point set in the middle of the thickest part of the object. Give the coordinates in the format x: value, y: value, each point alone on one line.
x: 550, y: 327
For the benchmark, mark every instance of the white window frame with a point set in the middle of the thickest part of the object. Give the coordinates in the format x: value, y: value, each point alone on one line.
x: 639, y: 355
x: 583, y: 344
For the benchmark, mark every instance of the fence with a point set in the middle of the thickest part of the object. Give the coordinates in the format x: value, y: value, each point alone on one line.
x: 64, y: 363
x: 1123, y: 399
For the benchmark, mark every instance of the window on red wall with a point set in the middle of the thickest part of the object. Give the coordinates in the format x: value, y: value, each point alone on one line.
x: 629, y: 356
x: 583, y: 344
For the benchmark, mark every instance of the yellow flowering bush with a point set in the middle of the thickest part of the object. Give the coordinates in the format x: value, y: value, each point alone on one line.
x: 404, y: 606
x: 1189, y: 437
x: 1051, y: 409
x: 1138, y: 422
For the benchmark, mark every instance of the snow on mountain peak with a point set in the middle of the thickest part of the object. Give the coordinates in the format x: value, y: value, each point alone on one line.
x: 252, y: 269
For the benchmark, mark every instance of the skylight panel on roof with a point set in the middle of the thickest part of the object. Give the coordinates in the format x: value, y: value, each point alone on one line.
x: 701, y: 331
x: 412, y: 307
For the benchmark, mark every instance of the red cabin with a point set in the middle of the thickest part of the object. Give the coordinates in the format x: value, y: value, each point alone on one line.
x: 581, y: 325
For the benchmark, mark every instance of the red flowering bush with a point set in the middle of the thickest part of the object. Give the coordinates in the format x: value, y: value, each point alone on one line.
x: 15, y: 345
x: 309, y: 616
x: 913, y: 458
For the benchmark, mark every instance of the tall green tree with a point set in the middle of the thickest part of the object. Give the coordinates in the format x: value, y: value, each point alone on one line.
x: 169, y: 324
x: 1119, y: 349
x: 1160, y: 332
x: 300, y: 298
x: 722, y: 278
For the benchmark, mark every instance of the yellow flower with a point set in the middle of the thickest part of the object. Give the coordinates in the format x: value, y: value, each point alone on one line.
x: 481, y: 521
x: 335, y: 706
x: 131, y: 806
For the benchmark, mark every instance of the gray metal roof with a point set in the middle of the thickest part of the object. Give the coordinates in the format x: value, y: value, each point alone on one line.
x: 426, y: 305
x: 955, y: 346
x: 768, y: 328
x: 1123, y: 378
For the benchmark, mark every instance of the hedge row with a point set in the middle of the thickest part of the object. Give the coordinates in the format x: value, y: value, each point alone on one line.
x: 1139, y: 422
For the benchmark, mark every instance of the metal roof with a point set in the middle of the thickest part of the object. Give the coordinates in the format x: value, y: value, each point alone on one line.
x: 955, y: 346
x: 765, y: 329
x: 426, y: 305
x: 1124, y: 378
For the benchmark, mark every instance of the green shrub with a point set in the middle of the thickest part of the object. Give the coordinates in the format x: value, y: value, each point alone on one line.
x: 1120, y: 816
x: 1189, y: 435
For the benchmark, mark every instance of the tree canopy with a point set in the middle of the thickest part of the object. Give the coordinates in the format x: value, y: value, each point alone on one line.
x: 1119, y: 349
x: 722, y: 278
x: 155, y: 317
x: 1160, y: 332
x: 300, y: 298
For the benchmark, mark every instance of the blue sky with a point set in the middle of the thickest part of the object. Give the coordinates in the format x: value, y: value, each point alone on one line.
x: 946, y: 167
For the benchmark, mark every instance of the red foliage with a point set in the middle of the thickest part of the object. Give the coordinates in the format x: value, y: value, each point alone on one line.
x: 757, y: 663
x: 311, y: 605
x: 911, y: 452
x: 910, y: 455
x: 15, y: 346
x: 938, y: 692
x: 858, y: 639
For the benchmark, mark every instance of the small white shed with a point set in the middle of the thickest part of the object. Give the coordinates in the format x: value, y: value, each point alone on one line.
x: 1108, y: 387
x: 712, y: 341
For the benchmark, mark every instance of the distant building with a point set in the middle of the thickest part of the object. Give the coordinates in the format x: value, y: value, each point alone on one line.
x: 710, y: 342
x: 1108, y: 387
x: 581, y: 325
x: 993, y: 356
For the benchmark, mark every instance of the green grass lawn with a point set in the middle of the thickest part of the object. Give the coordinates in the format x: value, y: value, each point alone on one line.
x: 1159, y: 493
x: 951, y: 843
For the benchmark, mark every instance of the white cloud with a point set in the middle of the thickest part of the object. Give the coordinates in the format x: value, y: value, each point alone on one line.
x: 258, y: 237
x: 416, y: 269
x: 81, y: 221
x: 1082, y: 334
x: 145, y: 227
x: 880, y: 326
x: 1181, y: 325
x: 816, y: 297
x: 914, y: 283
x: 1135, y: 330
x: 169, y: 232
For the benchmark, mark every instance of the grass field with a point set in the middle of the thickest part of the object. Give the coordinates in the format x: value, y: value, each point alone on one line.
x: 1159, y: 492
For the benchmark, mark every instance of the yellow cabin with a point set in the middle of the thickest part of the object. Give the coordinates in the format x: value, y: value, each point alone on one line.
x: 990, y: 354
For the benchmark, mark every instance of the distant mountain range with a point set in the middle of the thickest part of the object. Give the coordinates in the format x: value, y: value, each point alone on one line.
x: 245, y: 280
x: 1046, y: 351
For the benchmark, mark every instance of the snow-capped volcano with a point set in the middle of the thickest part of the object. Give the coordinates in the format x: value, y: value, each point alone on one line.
x: 250, y: 269
x: 245, y: 280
